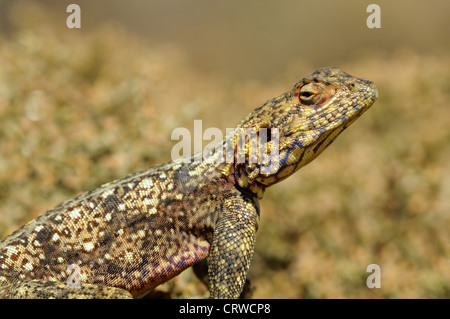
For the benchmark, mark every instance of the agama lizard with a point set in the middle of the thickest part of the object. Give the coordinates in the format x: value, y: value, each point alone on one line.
x: 128, y: 236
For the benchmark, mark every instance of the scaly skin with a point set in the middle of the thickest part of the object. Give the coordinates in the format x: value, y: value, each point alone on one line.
x: 127, y: 236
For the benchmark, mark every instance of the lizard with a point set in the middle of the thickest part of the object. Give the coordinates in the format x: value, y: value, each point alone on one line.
x: 125, y: 237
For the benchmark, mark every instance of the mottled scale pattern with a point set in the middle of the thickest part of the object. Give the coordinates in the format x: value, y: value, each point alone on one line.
x: 128, y: 236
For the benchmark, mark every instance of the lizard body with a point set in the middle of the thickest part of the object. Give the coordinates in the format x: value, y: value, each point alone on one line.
x: 128, y: 236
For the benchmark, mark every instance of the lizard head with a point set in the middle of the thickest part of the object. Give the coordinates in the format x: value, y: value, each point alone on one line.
x: 299, y: 125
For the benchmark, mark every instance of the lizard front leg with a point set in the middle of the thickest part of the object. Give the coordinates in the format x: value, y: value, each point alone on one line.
x: 232, y: 246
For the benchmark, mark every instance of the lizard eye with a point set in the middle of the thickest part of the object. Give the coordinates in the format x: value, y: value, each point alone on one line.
x: 309, y: 93
x: 306, y: 95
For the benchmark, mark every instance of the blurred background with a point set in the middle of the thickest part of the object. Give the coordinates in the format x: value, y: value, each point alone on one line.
x: 81, y: 107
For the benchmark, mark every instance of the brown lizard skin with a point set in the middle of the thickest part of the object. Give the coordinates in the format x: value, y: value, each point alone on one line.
x: 130, y: 235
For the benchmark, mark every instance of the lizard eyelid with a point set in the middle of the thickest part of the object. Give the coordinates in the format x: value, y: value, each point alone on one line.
x: 309, y: 93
